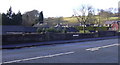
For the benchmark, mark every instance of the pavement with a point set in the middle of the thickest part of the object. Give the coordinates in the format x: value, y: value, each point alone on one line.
x: 52, y: 42
x: 97, y: 51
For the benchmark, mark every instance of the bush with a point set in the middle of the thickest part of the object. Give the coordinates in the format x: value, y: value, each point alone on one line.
x: 41, y: 30
x: 79, y: 27
x: 64, y: 30
x: 86, y: 31
x: 53, y: 30
x: 90, y: 28
x: 86, y: 28
x: 101, y: 28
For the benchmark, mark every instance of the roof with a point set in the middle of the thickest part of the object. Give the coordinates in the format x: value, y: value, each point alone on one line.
x: 12, y: 28
x: 110, y: 22
x: 72, y: 29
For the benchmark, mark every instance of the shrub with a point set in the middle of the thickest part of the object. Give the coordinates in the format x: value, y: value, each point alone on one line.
x: 90, y: 28
x: 41, y: 30
x: 101, y: 28
x: 79, y: 27
x: 64, y: 30
x: 53, y: 30
x: 86, y: 31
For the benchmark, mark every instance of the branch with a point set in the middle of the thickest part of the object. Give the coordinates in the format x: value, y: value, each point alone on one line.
x: 78, y: 17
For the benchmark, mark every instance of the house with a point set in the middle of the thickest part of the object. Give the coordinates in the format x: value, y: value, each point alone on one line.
x: 109, y: 23
x: 114, y: 25
x: 45, y: 25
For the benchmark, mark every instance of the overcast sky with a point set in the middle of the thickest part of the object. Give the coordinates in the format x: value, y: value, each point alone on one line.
x: 54, y: 8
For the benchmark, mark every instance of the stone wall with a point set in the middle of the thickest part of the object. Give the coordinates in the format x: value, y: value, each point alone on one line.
x: 24, y: 38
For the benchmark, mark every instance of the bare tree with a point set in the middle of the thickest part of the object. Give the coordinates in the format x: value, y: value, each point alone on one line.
x: 104, y: 15
x: 84, y: 15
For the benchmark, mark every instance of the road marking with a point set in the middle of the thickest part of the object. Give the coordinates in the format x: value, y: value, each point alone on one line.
x: 97, y: 48
x: 38, y: 57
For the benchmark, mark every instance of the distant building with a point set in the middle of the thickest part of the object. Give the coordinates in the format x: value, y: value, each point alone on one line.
x: 114, y: 25
x: 45, y: 25
x: 109, y: 23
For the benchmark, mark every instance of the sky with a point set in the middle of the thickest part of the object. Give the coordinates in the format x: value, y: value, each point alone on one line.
x: 54, y: 8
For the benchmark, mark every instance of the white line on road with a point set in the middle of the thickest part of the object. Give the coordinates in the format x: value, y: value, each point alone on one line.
x: 38, y: 57
x: 97, y: 48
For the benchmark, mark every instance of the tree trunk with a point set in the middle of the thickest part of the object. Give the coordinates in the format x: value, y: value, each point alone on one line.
x: 84, y: 27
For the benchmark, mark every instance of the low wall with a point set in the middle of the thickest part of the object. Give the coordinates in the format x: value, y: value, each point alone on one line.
x: 22, y: 38
x: 107, y: 33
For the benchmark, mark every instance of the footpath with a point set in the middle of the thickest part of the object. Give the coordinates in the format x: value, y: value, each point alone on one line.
x: 23, y: 45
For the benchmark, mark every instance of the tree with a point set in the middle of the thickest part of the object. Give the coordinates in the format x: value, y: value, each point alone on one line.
x: 59, y: 21
x: 85, y: 15
x: 5, y: 19
x: 9, y: 12
x: 41, y: 18
x: 104, y: 15
x: 17, y: 18
x: 53, y: 21
x: 30, y: 18
x: 10, y: 18
x: 14, y: 21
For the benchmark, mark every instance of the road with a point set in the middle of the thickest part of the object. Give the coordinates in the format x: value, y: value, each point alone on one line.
x: 100, y: 51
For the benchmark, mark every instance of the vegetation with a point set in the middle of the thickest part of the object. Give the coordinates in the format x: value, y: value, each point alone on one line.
x: 27, y: 19
x: 41, y: 30
x: 74, y: 20
x: 92, y: 28
x: 53, y: 21
x: 84, y: 16
x: 70, y: 19
x: 51, y: 30
x: 101, y: 28
x: 82, y: 31
x: 10, y: 18
x: 32, y: 17
x: 79, y: 28
x: 41, y: 18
